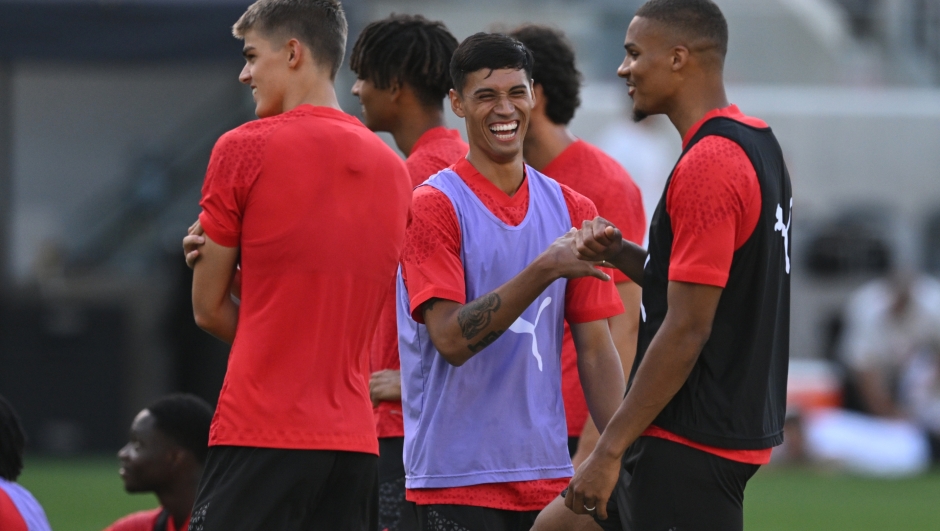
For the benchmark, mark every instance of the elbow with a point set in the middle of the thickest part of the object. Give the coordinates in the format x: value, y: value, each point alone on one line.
x: 453, y: 354
x: 205, y: 319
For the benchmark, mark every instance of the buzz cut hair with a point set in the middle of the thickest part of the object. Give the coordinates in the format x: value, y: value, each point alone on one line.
x: 185, y: 419
x: 319, y: 24
x: 408, y: 49
x: 695, y: 19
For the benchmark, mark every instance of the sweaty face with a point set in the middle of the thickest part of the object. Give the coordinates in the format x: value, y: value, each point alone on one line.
x: 496, y: 105
x: 376, y: 104
x: 648, y: 68
x: 266, y: 72
x: 145, y: 459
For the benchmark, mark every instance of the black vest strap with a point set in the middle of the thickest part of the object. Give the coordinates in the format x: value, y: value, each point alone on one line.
x: 163, y: 521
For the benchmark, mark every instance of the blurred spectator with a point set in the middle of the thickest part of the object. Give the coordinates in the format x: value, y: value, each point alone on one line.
x: 887, y: 323
x: 165, y: 455
x: 920, y: 394
x: 19, y: 510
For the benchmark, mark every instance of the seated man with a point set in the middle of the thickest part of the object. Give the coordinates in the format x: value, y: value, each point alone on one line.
x: 165, y: 455
x: 487, y: 254
x: 19, y: 510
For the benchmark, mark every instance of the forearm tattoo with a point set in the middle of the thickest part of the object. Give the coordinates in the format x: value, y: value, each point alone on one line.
x: 476, y: 316
x: 486, y: 341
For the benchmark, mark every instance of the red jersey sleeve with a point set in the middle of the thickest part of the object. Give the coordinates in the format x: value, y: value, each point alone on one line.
x: 139, y: 521
x: 233, y: 168
x: 713, y: 203
x: 588, y: 299
x: 431, y: 265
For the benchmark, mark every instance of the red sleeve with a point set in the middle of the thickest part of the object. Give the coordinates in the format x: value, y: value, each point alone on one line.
x: 588, y: 299
x: 233, y: 168
x: 139, y: 521
x: 431, y: 265
x: 713, y: 203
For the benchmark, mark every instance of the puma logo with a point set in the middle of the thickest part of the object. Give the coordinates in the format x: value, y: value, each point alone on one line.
x: 785, y: 231
x: 521, y: 326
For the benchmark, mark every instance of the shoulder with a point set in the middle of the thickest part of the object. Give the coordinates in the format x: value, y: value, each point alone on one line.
x: 715, y: 159
x: 579, y: 206
x: 139, y: 521
x: 428, y: 203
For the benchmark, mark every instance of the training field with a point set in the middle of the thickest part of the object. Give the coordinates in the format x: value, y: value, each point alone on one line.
x: 87, y: 495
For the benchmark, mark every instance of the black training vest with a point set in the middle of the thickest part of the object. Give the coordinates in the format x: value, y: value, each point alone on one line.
x: 735, y: 396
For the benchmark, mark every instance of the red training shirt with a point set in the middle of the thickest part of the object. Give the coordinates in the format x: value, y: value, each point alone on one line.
x: 318, y: 206
x: 432, y: 268
x: 713, y: 202
x: 10, y: 517
x: 436, y: 149
x: 600, y: 178
x: 144, y: 521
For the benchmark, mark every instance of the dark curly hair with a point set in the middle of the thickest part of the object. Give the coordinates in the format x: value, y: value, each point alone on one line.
x: 184, y: 418
x: 409, y: 49
x: 12, y: 442
x: 554, y: 70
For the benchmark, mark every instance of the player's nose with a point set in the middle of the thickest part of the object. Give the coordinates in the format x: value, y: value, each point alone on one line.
x: 357, y: 86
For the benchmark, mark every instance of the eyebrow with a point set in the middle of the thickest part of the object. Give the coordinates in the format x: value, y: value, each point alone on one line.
x: 247, y: 49
x: 488, y: 89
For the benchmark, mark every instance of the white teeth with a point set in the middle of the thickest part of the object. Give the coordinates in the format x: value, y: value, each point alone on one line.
x: 504, y: 127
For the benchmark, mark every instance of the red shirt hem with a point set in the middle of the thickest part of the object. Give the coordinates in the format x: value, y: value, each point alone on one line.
x: 751, y: 457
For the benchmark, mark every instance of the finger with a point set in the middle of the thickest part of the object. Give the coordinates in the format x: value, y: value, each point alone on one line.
x: 577, y: 501
x: 569, y: 497
x: 590, y: 245
x: 597, y: 273
x: 192, y: 227
x: 602, y: 508
x: 191, y: 258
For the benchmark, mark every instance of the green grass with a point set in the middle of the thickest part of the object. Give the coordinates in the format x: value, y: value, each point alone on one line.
x: 81, y: 494
x: 783, y: 499
x: 87, y: 495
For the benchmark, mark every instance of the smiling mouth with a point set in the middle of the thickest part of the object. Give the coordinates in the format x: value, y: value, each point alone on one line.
x: 505, y: 131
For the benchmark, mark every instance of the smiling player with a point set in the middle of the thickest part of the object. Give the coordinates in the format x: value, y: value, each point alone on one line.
x: 488, y: 278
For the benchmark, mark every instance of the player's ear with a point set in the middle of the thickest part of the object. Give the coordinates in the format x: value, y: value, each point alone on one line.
x: 679, y: 57
x: 295, y: 52
x: 456, y: 104
x: 538, y: 96
x: 395, y: 89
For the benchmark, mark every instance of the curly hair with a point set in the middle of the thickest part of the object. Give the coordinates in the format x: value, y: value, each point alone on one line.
x: 12, y: 442
x: 554, y: 70
x: 408, y: 49
x: 185, y: 418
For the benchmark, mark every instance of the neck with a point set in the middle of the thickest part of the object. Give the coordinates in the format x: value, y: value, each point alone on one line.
x: 704, y: 97
x: 506, y: 175
x: 318, y: 92
x: 178, y: 498
x: 544, y: 141
x: 412, y: 124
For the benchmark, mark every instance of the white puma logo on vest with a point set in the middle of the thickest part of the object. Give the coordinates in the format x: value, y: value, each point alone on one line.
x: 521, y: 326
x: 785, y: 231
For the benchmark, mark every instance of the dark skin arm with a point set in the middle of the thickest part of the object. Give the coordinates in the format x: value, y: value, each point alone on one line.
x: 600, y: 240
x: 459, y: 331
x: 665, y: 368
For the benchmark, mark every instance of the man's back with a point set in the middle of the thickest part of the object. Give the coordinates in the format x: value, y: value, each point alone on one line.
x: 318, y: 206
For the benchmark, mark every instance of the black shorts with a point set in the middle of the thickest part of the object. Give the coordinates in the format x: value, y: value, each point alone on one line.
x: 667, y: 486
x: 264, y: 489
x: 470, y: 518
x: 395, y: 513
x: 573, y: 445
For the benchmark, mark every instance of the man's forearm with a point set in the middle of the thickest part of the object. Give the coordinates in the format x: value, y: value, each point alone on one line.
x: 464, y: 330
x: 221, y: 322
x: 663, y: 371
x: 602, y: 380
x: 631, y: 260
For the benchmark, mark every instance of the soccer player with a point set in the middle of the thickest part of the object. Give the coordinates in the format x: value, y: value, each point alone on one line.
x: 165, y: 455
x: 551, y: 149
x: 402, y: 63
x: 707, y: 398
x: 313, y: 206
x: 19, y: 510
x: 490, y: 285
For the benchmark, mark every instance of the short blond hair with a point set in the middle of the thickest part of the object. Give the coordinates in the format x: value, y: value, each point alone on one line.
x: 320, y: 24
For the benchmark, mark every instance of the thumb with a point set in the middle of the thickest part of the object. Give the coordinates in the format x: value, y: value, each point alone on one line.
x: 597, y: 273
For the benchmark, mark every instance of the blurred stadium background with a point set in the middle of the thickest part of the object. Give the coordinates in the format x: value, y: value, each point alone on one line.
x: 108, y: 111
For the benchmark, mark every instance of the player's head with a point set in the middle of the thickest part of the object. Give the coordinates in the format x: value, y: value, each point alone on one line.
x: 12, y: 442
x: 285, y: 37
x: 557, y: 81
x: 671, y: 44
x: 397, y: 52
x: 492, y: 76
x: 168, y: 439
